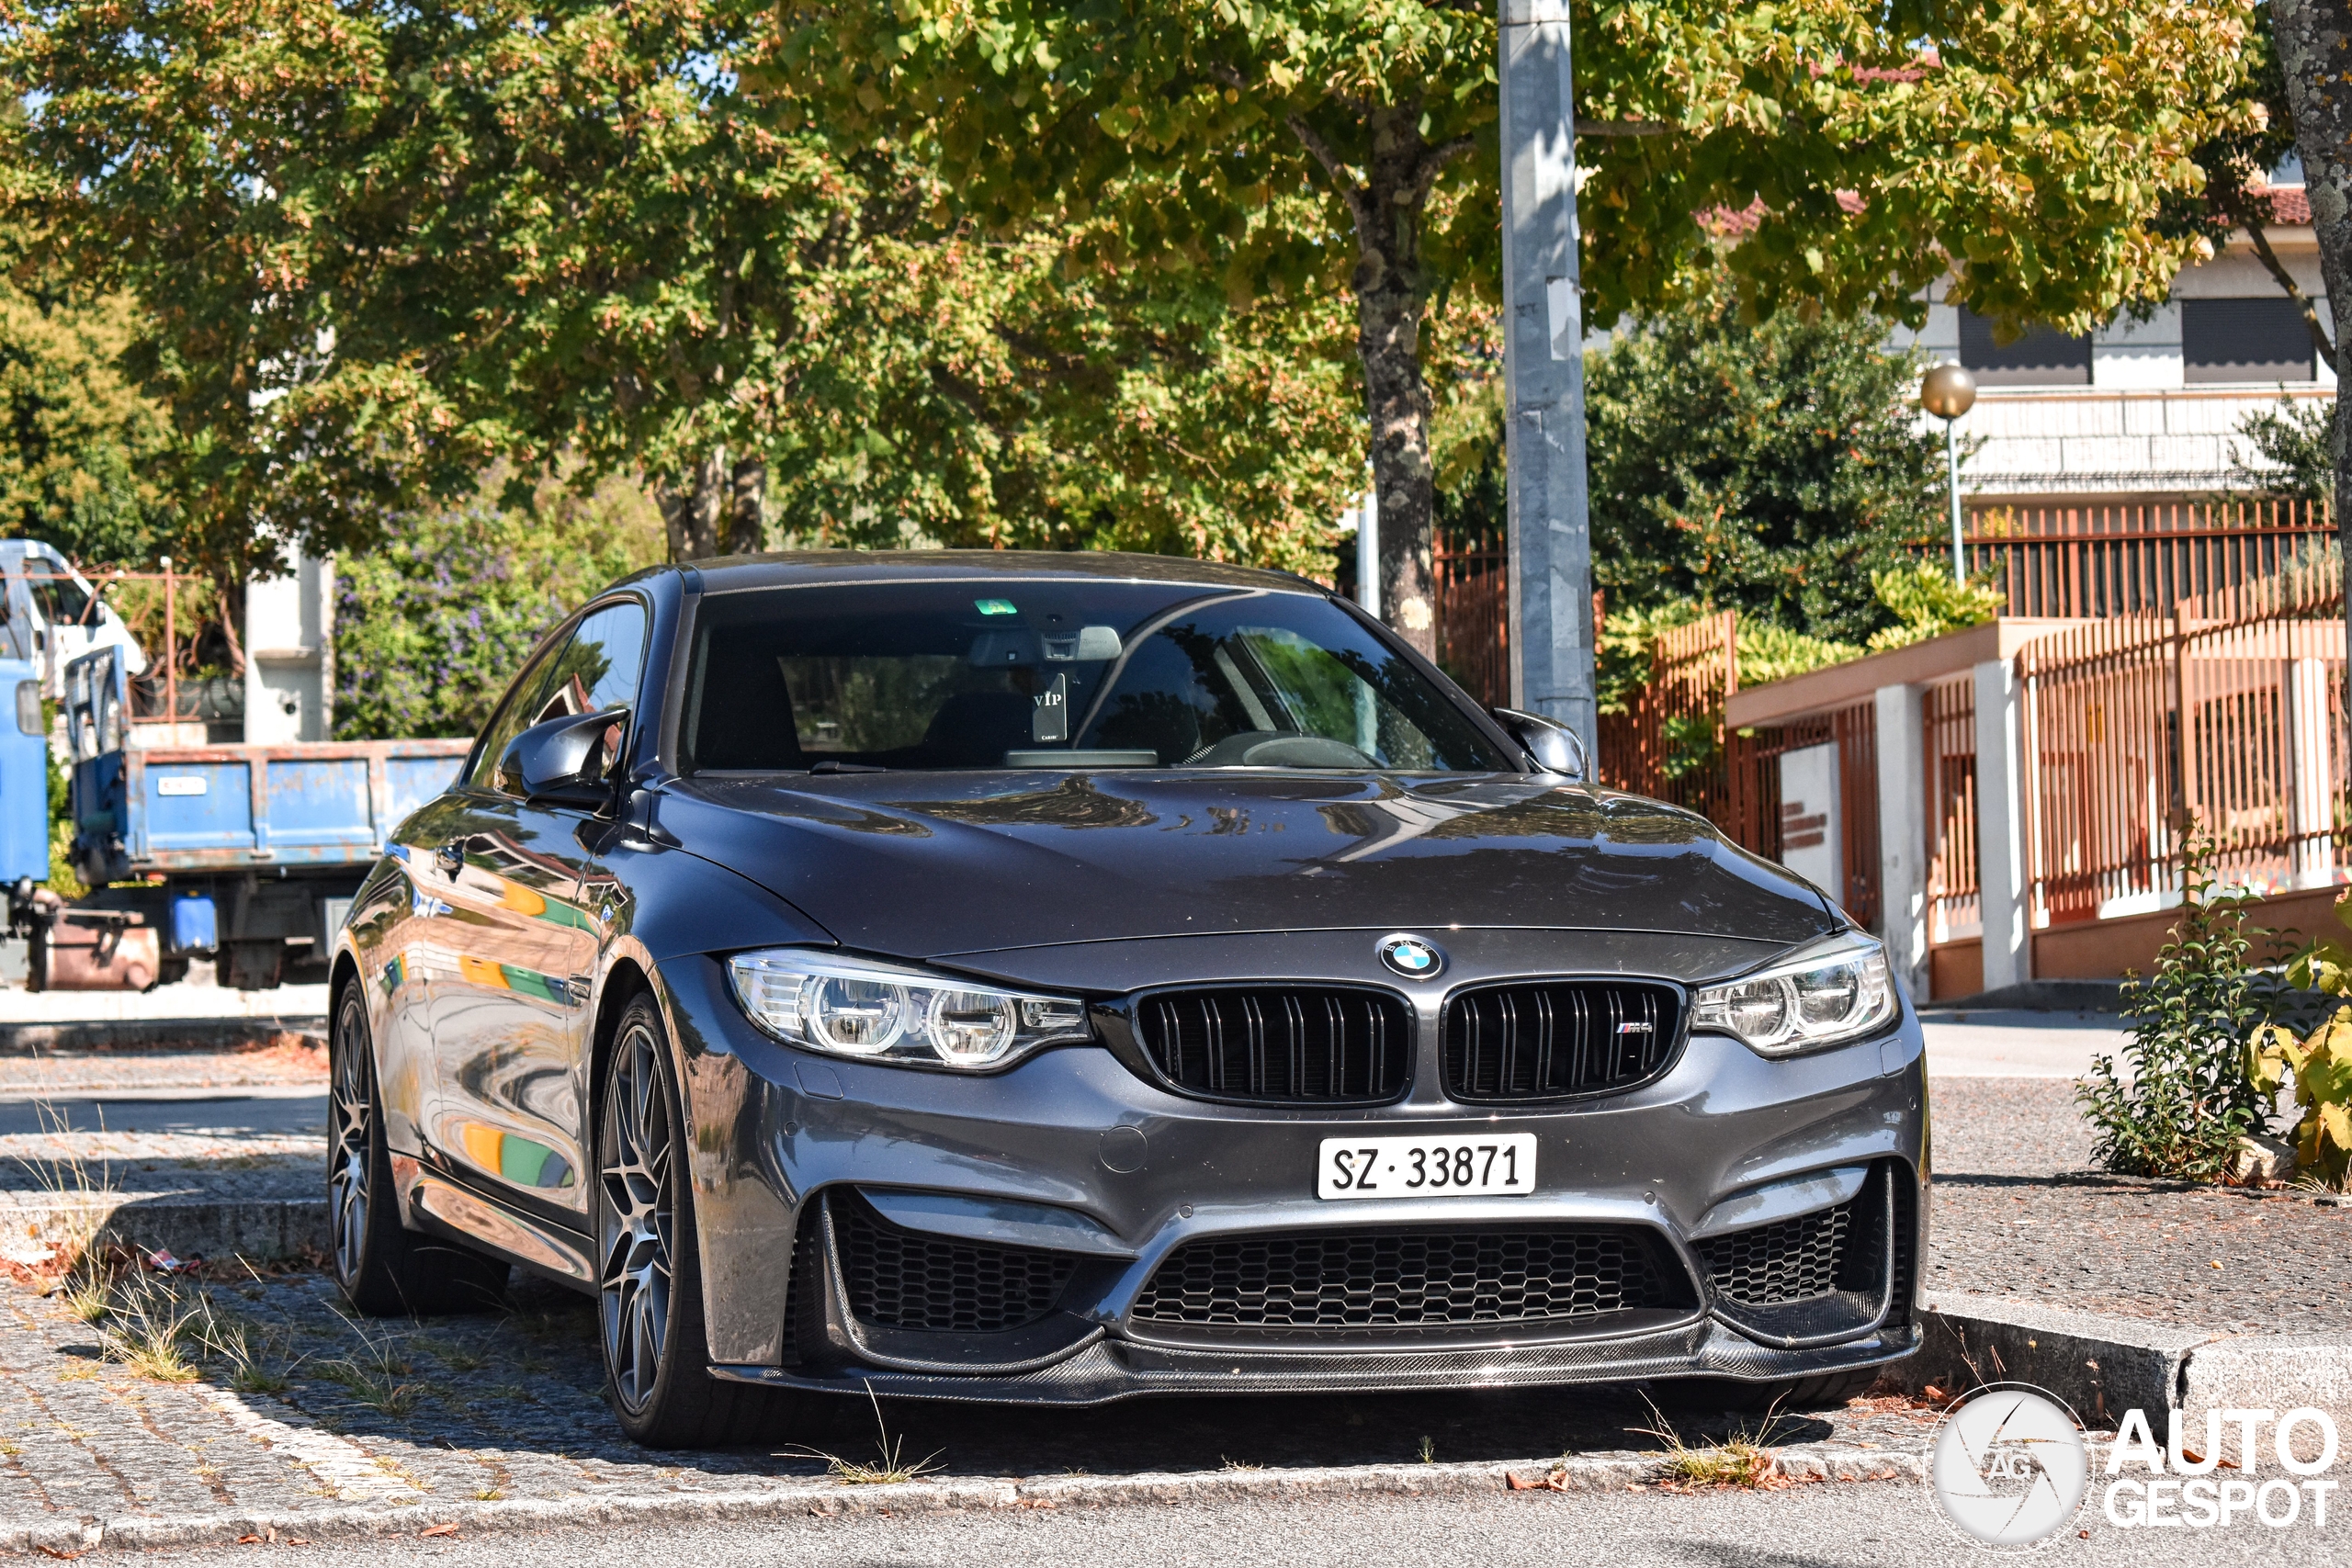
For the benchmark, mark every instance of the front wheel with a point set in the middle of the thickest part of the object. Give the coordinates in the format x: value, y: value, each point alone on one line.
x: 649, y: 1270
x: 387, y: 1270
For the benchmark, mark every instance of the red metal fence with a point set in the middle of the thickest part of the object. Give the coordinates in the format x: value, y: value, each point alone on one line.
x: 2228, y: 710
x: 1759, y: 819
x: 2123, y: 558
x: 1671, y: 744
x: 1473, y: 581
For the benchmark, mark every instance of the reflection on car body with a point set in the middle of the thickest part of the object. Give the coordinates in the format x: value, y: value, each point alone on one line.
x: 1057, y: 978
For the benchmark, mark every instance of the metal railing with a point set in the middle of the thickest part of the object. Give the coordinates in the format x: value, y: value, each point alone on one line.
x: 1947, y: 714
x: 1670, y: 743
x: 2227, y: 710
x: 1472, y: 574
x: 1759, y: 820
x: 2119, y: 559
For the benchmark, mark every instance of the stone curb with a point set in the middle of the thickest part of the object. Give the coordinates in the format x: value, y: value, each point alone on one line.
x: 259, y: 1228
x: 2103, y: 1365
x: 39, y: 1038
x: 828, y: 1499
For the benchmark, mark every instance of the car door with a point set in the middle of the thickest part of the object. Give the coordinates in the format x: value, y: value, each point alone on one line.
x: 510, y: 1024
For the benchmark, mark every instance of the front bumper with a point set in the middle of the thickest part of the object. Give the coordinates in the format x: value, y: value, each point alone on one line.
x: 1073, y: 1152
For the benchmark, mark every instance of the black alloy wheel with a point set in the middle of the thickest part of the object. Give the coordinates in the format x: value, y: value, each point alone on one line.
x: 386, y: 1270
x: 649, y: 1269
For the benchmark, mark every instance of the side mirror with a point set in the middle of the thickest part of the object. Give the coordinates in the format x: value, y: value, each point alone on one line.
x: 567, y: 759
x: 1555, y: 747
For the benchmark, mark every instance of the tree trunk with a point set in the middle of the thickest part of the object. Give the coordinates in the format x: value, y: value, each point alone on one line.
x: 747, y: 509
x: 692, y: 506
x: 2314, y: 42
x: 1392, y: 290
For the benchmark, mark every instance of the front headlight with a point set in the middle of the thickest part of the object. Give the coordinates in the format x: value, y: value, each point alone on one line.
x: 848, y: 1006
x: 1837, y: 989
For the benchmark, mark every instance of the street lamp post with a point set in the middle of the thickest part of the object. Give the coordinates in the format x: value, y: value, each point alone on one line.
x: 1947, y: 392
x: 1550, y: 532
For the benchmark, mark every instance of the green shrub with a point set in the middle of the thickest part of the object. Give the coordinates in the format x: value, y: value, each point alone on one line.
x: 2190, y: 1096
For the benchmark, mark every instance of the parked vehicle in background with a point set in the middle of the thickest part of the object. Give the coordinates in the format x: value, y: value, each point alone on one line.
x: 248, y: 855
x: 244, y: 854
x: 1053, y: 979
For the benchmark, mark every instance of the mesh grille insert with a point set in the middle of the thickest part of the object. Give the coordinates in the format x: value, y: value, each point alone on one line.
x: 1337, y: 1280
x: 1284, y: 1044
x: 1773, y: 1265
x: 1560, y: 1037
x: 900, y: 1278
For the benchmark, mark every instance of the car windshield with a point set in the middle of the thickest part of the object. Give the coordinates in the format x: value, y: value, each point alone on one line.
x: 1045, y: 672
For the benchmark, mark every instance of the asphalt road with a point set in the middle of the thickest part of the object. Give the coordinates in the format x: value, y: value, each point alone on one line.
x: 1869, y: 1524
x: 290, y: 1109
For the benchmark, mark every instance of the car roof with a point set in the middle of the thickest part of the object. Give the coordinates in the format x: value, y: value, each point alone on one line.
x: 798, y: 568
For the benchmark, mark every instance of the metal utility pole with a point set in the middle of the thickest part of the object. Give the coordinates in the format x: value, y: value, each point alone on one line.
x: 1551, y: 534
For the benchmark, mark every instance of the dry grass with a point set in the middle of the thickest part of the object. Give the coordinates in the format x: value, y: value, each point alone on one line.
x: 150, y: 1328
x: 889, y: 1469
x: 374, y: 1371
x: 1743, y: 1460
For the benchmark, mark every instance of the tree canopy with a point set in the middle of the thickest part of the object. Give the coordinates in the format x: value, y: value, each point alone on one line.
x: 1841, y: 154
x: 377, y: 249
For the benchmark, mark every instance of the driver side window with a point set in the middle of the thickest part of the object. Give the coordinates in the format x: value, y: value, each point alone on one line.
x: 597, y: 667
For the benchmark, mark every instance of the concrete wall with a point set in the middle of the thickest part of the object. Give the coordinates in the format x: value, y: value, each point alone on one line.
x: 289, y: 655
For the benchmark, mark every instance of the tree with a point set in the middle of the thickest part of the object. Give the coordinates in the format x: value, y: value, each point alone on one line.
x: 2292, y: 441
x: 435, y: 237
x: 74, y: 469
x: 1854, y: 151
x: 2314, y: 44
x: 1775, y: 468
x: 427, y: 637
x: 2237, y: 161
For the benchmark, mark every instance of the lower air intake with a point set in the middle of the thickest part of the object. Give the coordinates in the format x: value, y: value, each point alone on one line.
x: 902, y: 1279
x: 1342, y: 1280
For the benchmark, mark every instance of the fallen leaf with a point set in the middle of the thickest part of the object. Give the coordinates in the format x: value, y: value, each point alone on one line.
x: 2217, y: 1263
x: 58, y: 1552
x: 437, y: 1529
x: 2082, y: 1535
x: 297, y: 1541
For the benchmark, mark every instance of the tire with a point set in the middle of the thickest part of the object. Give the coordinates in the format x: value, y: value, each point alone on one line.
x: 649, y: 1264
x: 385, y: 1268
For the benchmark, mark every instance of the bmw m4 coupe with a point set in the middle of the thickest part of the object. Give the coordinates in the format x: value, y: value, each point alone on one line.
x: 1055, y: 978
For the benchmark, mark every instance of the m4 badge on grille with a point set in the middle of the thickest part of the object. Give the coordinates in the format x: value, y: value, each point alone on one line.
x: 1411, y: 957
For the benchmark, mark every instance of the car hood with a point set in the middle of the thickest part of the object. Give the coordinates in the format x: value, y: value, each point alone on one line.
x: 930, y: 865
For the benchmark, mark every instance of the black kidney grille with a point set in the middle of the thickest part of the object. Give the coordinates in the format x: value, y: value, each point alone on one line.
x: 1284, y: 1044
x: 1341, y: 1280
x: 1556, y: 1038
x: 902, y: 1279
x: 1773, y: 1265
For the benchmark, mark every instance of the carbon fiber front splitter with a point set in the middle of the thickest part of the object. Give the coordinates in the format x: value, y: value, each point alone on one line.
x: 1109, y: 1370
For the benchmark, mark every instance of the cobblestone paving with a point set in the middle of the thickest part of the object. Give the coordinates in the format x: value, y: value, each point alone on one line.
x: 2017, y: 1212
x: 336, y: 1411
x: 288, y: 1061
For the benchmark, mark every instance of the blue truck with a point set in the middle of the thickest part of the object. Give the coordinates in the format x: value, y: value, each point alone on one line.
x: 247, y: 855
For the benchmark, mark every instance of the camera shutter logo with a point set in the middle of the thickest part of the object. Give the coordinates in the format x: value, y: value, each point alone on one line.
x: 1411, y: 957
x: 2009, y: 1467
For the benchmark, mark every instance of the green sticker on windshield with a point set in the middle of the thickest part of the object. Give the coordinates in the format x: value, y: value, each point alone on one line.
x: 996, y: 606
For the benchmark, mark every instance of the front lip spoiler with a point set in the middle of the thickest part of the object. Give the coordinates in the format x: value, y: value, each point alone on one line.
x: 1110, y: 1370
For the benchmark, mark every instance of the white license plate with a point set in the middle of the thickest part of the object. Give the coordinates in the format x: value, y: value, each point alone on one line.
x: 1482, y: 1165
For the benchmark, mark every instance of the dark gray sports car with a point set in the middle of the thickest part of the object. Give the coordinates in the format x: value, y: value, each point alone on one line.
x: 1050, y: 978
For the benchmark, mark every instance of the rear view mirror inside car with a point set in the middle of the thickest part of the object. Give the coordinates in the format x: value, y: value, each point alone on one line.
x: 1088, y: 645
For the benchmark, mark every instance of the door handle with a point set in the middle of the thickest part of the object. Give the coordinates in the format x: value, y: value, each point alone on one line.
x: 451, y: 857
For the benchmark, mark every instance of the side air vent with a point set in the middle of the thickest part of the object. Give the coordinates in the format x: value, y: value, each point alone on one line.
x: 1286, y: 1045
x: 1552, y: 1039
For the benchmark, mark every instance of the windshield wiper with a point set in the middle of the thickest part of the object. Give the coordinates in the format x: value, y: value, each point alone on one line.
x: 831, y: 766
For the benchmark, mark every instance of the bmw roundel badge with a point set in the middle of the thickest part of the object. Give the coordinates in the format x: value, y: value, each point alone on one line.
x: 1411, y: 957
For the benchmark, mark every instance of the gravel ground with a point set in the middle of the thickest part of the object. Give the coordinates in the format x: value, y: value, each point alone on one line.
x: 289, y: 1060
x: 2017, y: 1212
